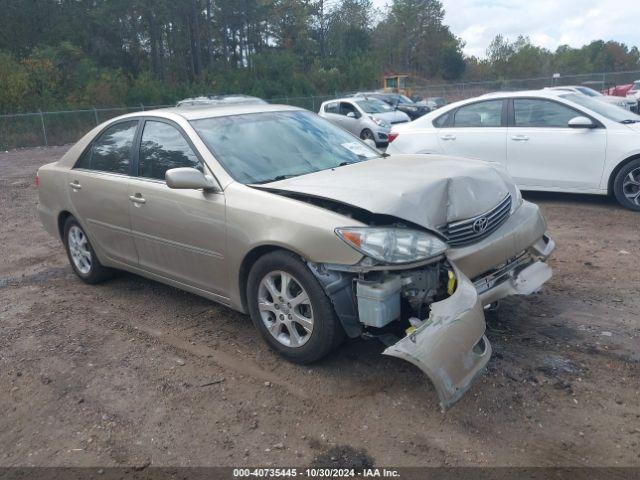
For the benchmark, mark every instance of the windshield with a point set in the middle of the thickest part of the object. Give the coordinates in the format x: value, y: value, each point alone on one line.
x: 402, y: 99
x: 269, y: 146
x: 373, y: 106
x: 612, y: 112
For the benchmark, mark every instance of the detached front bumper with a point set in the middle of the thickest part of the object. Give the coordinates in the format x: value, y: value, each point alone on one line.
x: 450, y: 346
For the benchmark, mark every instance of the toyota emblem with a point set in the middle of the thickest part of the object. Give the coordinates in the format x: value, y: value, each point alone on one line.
x: 480, y: 225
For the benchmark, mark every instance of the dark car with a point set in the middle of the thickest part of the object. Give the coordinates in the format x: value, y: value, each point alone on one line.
x: 399, y: 102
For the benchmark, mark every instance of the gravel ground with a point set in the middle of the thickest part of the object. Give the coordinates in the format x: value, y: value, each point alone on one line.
x: 132, y: 372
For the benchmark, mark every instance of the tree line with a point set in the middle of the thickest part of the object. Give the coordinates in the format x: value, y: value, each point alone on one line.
x: 75, y: 53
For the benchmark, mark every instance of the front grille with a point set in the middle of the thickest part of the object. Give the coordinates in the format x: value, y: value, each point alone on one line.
x: 464, y: 232
x: 399, y: 121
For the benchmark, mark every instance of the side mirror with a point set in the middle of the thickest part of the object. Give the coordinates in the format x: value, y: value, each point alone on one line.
x: 189, y: 178
x: 351, y: 115
x: 581, y: 122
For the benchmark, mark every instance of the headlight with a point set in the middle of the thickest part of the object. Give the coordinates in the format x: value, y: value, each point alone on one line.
x: 379, y: 122
x: 392, y: 245
x: 517, y: 201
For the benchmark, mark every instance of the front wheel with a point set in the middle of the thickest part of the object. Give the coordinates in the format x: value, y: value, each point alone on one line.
x: 367, y: 134
x: 626, y: 186
x: 290, y: 309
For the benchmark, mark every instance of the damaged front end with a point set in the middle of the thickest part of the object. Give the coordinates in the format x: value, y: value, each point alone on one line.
x: 422, y: 291
x: 429, y: 315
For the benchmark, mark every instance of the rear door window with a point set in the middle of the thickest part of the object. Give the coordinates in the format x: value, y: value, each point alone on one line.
x: 481, y: 114
x: 162, y: 148
x: 111, y: 151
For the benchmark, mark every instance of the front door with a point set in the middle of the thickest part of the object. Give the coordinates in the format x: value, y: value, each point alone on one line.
x: 179, y: 234
x: 98, y: 189
x: 543, y: 152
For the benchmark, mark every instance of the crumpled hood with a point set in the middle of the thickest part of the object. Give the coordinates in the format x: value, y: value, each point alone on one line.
x: 429, y: 190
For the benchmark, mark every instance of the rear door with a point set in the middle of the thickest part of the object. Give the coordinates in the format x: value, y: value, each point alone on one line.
x: 179, y: 234
x: 98, y: 186
x: 331, y: 111
x: 477, y: 131
x: 544, y: 153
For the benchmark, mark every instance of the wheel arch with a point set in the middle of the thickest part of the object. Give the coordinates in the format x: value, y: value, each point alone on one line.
x: 62, y: 219
x: 614, y: 172
x: 367, y: 129
x: 248, y: 261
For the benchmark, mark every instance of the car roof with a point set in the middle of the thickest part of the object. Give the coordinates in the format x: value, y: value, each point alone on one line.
x: 227, y: 99
x: 196, y: 112
x: 343, y: 99
x: 544, y: 93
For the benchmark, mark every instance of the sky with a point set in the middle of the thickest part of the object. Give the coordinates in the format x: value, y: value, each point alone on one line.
x: 548, y: 23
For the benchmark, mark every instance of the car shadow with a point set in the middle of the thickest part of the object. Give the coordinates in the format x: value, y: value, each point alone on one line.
x: 575, y: 198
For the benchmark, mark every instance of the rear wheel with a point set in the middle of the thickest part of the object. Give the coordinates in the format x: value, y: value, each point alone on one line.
x: 290, y: 309
x: 626, y: 185
x: 81, y: 255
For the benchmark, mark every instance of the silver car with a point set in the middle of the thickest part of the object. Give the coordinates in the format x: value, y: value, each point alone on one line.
x: 590, y: 92
x: 367, y: 118
x: 277, y: 213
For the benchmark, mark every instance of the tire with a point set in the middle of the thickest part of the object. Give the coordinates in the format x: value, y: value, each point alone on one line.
x: 626, y: 185
x: 367, y: 134
x: 312, y: 339
x: 82, y: 257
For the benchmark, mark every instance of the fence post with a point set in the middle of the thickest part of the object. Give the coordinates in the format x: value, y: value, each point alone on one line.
x: 44, y: 129
x: 95, y: 114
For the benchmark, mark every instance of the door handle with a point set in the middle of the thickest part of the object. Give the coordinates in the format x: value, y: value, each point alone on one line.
x: 519, y: 138
x: 448, y: 137
x: 75, y: 185
x: 137, y: 199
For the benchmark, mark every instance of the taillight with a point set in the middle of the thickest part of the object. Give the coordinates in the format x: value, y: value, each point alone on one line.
x: 393, y: 136
x: 37, y: 180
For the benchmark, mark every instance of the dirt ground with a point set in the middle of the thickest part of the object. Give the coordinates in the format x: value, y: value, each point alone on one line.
x: 134, y: 372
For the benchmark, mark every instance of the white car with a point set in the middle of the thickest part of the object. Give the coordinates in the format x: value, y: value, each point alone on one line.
x: 546, y: 140
x: 590, y: 92
x: 367, y: 118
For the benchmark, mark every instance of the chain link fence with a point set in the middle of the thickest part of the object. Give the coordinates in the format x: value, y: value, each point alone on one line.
x: 62, y: 127
x: 459, y: 91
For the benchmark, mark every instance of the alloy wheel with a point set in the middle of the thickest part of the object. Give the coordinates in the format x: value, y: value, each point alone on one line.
x: 631, y: 186
x: 285, y: 309
x: 79, y: 249
x: 367, y: 135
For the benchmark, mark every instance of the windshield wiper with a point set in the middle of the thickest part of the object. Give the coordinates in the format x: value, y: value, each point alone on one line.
x: 274, y: 179
x: 629, y: 120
